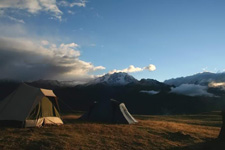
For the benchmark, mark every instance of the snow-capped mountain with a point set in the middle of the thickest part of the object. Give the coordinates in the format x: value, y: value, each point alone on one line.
x: 115, y: 79
x: 204, y: 78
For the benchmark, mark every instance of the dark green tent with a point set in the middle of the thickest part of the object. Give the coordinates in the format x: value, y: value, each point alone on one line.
x: 109, y: 111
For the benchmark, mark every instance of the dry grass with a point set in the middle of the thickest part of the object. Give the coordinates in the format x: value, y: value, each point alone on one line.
x: 151, y: 133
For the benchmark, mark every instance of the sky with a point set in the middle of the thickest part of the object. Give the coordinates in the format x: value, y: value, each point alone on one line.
x: 81, y: 40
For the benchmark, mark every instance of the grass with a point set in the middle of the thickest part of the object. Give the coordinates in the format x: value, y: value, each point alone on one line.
x: 151, y: 133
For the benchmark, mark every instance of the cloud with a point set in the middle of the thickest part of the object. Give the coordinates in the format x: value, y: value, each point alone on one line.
x: 191, y: 90
x: 98, y: 68
x: 71, y: 12
x: 44, y: 42
x: 151, y: 92
x: 220, y: 85
x: 132, y: 68
x: 25, y: 59
x: 13, y: 30
x: 150, y: 67
x: 16, y: 20
x: 79, y: 3
x: 37, y: 6
x: 32, y: 6
x: 2, y: 14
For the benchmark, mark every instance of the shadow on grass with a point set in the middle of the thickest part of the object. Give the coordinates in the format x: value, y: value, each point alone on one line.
x: 212, y: 144
x: 43, y: 144
x: 80, y: 121
x: 73, y: 121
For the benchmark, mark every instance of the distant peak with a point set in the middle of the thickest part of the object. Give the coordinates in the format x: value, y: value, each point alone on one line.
x: 119, y: 78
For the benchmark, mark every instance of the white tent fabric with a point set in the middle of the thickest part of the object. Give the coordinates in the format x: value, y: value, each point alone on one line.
x: 46, y: 120
x: 48, y: 92
x: 130, y: 119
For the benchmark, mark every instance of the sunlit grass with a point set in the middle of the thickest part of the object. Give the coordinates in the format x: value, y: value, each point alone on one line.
x: 151, y: 133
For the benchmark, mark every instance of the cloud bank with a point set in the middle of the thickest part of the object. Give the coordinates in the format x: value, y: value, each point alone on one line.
x: 132, y: 68
x: 152, y: 92
x: 191, y: 90
x: 220, y: 85
x: 31, y: 60
x: 32, y: 6
x: 37, y: 6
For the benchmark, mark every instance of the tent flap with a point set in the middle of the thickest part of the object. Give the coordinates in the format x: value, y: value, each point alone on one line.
x: 52, y: 120
x: 44, y: 121
x: 127, y: 115
x: 48, y: 92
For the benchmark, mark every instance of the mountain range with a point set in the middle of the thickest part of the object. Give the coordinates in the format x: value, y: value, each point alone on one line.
x: 145, y: 96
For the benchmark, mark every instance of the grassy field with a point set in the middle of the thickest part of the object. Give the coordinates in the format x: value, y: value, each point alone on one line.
x: 151, y: 133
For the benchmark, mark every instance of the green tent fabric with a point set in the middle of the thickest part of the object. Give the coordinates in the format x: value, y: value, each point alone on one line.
x: 45, y: 108
x: 30, y: 107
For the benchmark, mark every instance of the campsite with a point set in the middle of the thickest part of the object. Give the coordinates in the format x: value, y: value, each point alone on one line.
x: 112, y: 75
x: 30, y: 118
x: 175, y: 132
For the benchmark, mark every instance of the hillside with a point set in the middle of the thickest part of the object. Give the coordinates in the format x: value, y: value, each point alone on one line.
x: 185, y: 132
x: 80, y: 98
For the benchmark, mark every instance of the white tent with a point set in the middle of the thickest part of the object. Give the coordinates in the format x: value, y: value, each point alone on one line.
x: 29, y: 106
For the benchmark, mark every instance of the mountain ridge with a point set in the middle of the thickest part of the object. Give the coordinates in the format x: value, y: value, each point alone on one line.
x: 200, y: 78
